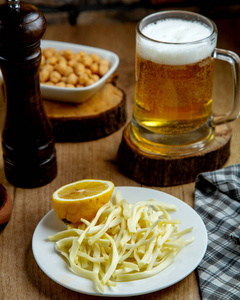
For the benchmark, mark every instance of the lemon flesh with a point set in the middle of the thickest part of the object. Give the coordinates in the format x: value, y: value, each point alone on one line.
x: 81, y: 199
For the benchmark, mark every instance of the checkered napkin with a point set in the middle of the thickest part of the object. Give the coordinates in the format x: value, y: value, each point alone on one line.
x: 217, y: 201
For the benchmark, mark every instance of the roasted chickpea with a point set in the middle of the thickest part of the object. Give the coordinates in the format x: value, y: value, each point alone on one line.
x: 82, y: 53
x: 72, y: 79
x: 79, y: 68
x: 69, y: 85
x: 55, y: 76
x: 87, y: 61
x: 94, y: 68
x: 43, y: 61
x: 49, y: 68
x: 72, y: 62
x: 95, y: 77
x: 103, y: 69
x: 68, y: 54
x: 95, y: 57
x: 49, y: 52
x: 89, y: 82
x: 61, y: 67
x: 44, y: 75
x: 88, y: 72
x: 53, y: 60
x: 68, y: 71
x: 49, y: 83
x: 83, y: 78
x: 103, y: 61
x: 61, y: 84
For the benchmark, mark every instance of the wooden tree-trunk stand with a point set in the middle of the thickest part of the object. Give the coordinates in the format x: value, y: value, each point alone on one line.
x: 157, y: 170
x: 101, y: 115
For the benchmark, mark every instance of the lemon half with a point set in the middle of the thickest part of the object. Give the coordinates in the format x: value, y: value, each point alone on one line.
x: 81, y: 199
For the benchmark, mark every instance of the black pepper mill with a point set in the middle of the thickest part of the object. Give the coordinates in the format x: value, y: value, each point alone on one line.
x: 27, y: 139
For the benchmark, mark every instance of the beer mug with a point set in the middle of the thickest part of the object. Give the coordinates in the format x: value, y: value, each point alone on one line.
x: 175, y: 52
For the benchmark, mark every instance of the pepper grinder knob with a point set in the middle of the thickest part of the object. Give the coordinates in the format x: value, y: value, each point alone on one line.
x: 14, y: 3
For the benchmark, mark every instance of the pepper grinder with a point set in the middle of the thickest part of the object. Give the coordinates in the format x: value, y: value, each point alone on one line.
x: 28, y: 145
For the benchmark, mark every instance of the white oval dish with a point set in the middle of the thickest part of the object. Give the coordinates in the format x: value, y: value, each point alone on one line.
x: 78, y: 95
x: 54, y: 266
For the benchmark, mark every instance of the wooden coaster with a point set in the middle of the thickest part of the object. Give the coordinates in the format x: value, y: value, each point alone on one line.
x: 101, y: 115
x: 157, y: 170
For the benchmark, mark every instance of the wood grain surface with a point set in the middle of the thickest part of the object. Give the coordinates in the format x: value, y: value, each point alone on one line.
x: 20, y: 276
x: 157, y: 170
x: 101, y: 115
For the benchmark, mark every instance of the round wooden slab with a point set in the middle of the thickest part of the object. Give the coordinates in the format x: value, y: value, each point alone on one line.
x: 157, y: 170
x: 101, y: 115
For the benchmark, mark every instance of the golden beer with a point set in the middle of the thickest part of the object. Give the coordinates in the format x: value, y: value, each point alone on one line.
x: 173, y: 99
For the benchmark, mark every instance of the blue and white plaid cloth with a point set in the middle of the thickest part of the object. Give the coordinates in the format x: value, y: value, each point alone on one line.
x: 217, y: 201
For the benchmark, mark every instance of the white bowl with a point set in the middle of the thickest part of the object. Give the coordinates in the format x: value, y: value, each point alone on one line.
x: 77, y: 95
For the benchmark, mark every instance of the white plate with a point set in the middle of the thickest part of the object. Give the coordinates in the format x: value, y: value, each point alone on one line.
x: 77, y: 95
x: 54, y: 266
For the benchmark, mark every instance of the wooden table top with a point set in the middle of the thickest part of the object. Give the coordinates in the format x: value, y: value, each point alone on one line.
x: 20, y: 276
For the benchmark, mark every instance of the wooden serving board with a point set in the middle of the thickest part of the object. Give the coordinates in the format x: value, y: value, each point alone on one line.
x: 157, y: 170
x: 101, y: 115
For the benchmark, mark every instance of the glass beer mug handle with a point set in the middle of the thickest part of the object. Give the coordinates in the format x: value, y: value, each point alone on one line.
x: 234, y: 61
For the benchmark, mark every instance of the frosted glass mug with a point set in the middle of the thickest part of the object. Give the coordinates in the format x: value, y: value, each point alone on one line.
x: 175, y: 53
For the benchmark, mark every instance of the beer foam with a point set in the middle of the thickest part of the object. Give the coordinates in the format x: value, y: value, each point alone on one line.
x: 187, y: 37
